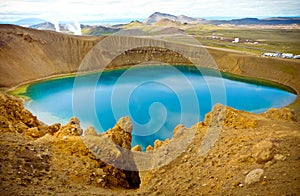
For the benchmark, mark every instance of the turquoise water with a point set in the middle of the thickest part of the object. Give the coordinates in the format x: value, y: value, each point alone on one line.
x: 157, y: 98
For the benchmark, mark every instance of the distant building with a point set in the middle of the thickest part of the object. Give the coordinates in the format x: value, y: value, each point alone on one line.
x: 287, y: 55
x: 236, y: 40
x: 277, y: 54
x: 268, y: 54
x: 297, y: 57
x: 281, y: 55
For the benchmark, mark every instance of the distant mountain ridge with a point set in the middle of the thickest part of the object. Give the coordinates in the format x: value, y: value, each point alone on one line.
x: 70, y: 28
x: 44, y: 26
x: 29, y: 21
x: 256, y: 21
x: 157, y: 19
x: 98, y: 30
x: 157, y: 16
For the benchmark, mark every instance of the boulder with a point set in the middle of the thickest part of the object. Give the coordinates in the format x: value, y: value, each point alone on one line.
x: 254, y: 176
x: 114, y: 148
x: 125, y: 124
x: 71, y: 129
x: 52, y: 129
x: 33, y: 132
x: 149, y: 148
x: 136, y: 148
x: 223, y: 116
x: 263, y: 151
x: 178, y: 130
x: 120, y: 134
x: 90, y: 131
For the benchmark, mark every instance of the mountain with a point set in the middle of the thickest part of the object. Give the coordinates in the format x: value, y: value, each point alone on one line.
x: 131, y: 24
x: 69, y: 28
x: 98, y: 30
x: 256, y: 21
x: 187, y: 19
x: 157, y: 16
x: 167, y: 22
x: 283, y: 18
x: 44, y: 26
x: 29, y: 21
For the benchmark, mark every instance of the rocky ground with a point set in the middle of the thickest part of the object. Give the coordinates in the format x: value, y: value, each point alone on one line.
x: 41, y: 159
x: 231, y: 152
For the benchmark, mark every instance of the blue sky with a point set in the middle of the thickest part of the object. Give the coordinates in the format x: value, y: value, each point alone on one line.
x: 79, y: 10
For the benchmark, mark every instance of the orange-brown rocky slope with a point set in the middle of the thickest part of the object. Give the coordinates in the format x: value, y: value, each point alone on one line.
x: 37, y: 158
x: 231, y: 152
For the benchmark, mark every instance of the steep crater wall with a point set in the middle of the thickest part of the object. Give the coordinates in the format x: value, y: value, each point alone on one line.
x: 27, y: 55
x: 148, y: 54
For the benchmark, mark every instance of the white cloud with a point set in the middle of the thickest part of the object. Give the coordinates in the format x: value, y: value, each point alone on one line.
x: 110, y: 9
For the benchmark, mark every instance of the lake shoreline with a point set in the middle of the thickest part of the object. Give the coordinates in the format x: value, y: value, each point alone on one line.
x: 21, y: 90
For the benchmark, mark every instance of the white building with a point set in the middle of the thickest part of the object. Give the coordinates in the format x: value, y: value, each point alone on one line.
x: 287, y: 55
x: 281, y: 55
x: 268, y: 54
x: 236, y: 40
x: 297, y: 57
x: 277, y: 54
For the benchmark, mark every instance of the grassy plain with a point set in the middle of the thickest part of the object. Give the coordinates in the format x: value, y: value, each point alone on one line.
x: 268, y: 40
